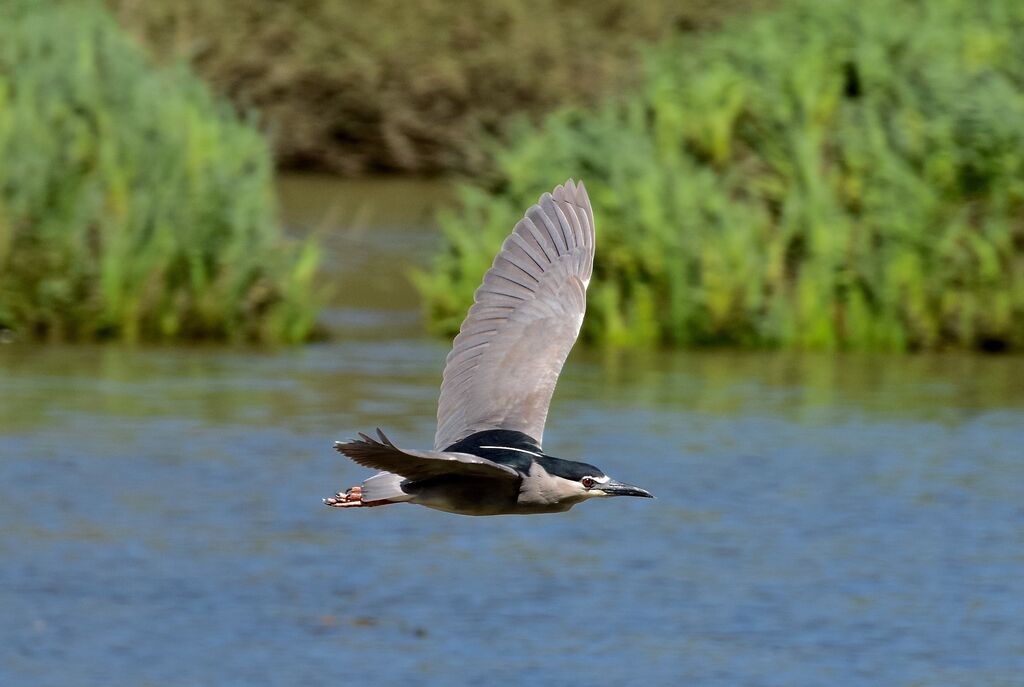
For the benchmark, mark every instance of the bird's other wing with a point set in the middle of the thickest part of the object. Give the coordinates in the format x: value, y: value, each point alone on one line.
x: 418, y: 465
x: 527, y: 314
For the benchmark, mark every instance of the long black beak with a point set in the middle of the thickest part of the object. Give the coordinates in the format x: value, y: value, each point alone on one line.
x: 614, y: 488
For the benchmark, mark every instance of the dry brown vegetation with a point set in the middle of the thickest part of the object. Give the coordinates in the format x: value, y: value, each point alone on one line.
x: 352, y: 87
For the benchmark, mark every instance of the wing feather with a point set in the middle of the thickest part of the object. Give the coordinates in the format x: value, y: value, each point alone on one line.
x: 418, y: 465
x: 527, y: 313
x: 538, y: 260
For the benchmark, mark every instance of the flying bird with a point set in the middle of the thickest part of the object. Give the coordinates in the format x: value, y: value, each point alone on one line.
x: 498, y: 381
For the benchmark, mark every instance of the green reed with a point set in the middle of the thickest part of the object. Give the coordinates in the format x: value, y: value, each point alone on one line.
x: 133, y: 204
x: 831, y: 175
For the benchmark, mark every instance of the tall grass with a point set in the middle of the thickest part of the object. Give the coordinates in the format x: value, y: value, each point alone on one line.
x: 833, y: 175
x: 133, y: 204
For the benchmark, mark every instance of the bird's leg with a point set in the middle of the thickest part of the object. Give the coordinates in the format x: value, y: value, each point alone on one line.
x: 353, y: 498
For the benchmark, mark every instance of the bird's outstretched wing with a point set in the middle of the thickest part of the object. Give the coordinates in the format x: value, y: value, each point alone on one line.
x: 527, y: 314
x: 419, y: 465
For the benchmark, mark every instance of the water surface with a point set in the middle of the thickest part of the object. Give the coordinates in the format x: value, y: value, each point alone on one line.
x: 821, y: 520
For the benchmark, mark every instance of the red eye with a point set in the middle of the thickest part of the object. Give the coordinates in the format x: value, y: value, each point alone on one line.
x: 588, y: 482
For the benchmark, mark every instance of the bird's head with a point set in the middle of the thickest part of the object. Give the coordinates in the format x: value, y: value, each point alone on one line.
x: 603, y: 485
x: 579, y: 481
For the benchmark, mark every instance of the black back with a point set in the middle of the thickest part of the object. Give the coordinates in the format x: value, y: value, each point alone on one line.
x: 515, y: 458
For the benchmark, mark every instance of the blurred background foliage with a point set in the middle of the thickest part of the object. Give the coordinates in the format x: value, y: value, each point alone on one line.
x: 832, y: 175
x: 352, y: 87
x: 810, y: 175
x: 133, y: 204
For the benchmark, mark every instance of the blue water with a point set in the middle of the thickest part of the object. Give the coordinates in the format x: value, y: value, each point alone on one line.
x: 820, y: 521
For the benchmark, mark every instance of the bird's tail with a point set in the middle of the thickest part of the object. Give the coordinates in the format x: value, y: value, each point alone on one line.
x: 384, y: 486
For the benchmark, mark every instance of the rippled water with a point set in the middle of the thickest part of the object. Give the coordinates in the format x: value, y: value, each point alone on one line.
x: 820, y: 521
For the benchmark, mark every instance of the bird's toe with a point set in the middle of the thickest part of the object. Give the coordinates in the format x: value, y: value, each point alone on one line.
x: 348, y: 498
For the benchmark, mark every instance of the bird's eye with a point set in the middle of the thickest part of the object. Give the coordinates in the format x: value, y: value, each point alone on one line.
x: 588, y: 482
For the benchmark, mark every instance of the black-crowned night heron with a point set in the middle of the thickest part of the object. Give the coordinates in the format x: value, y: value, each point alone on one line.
x: 498, y: 381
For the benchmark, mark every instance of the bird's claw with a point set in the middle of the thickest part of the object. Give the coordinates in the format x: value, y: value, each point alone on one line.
x: 352, y: 498
x: 346, y: 499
